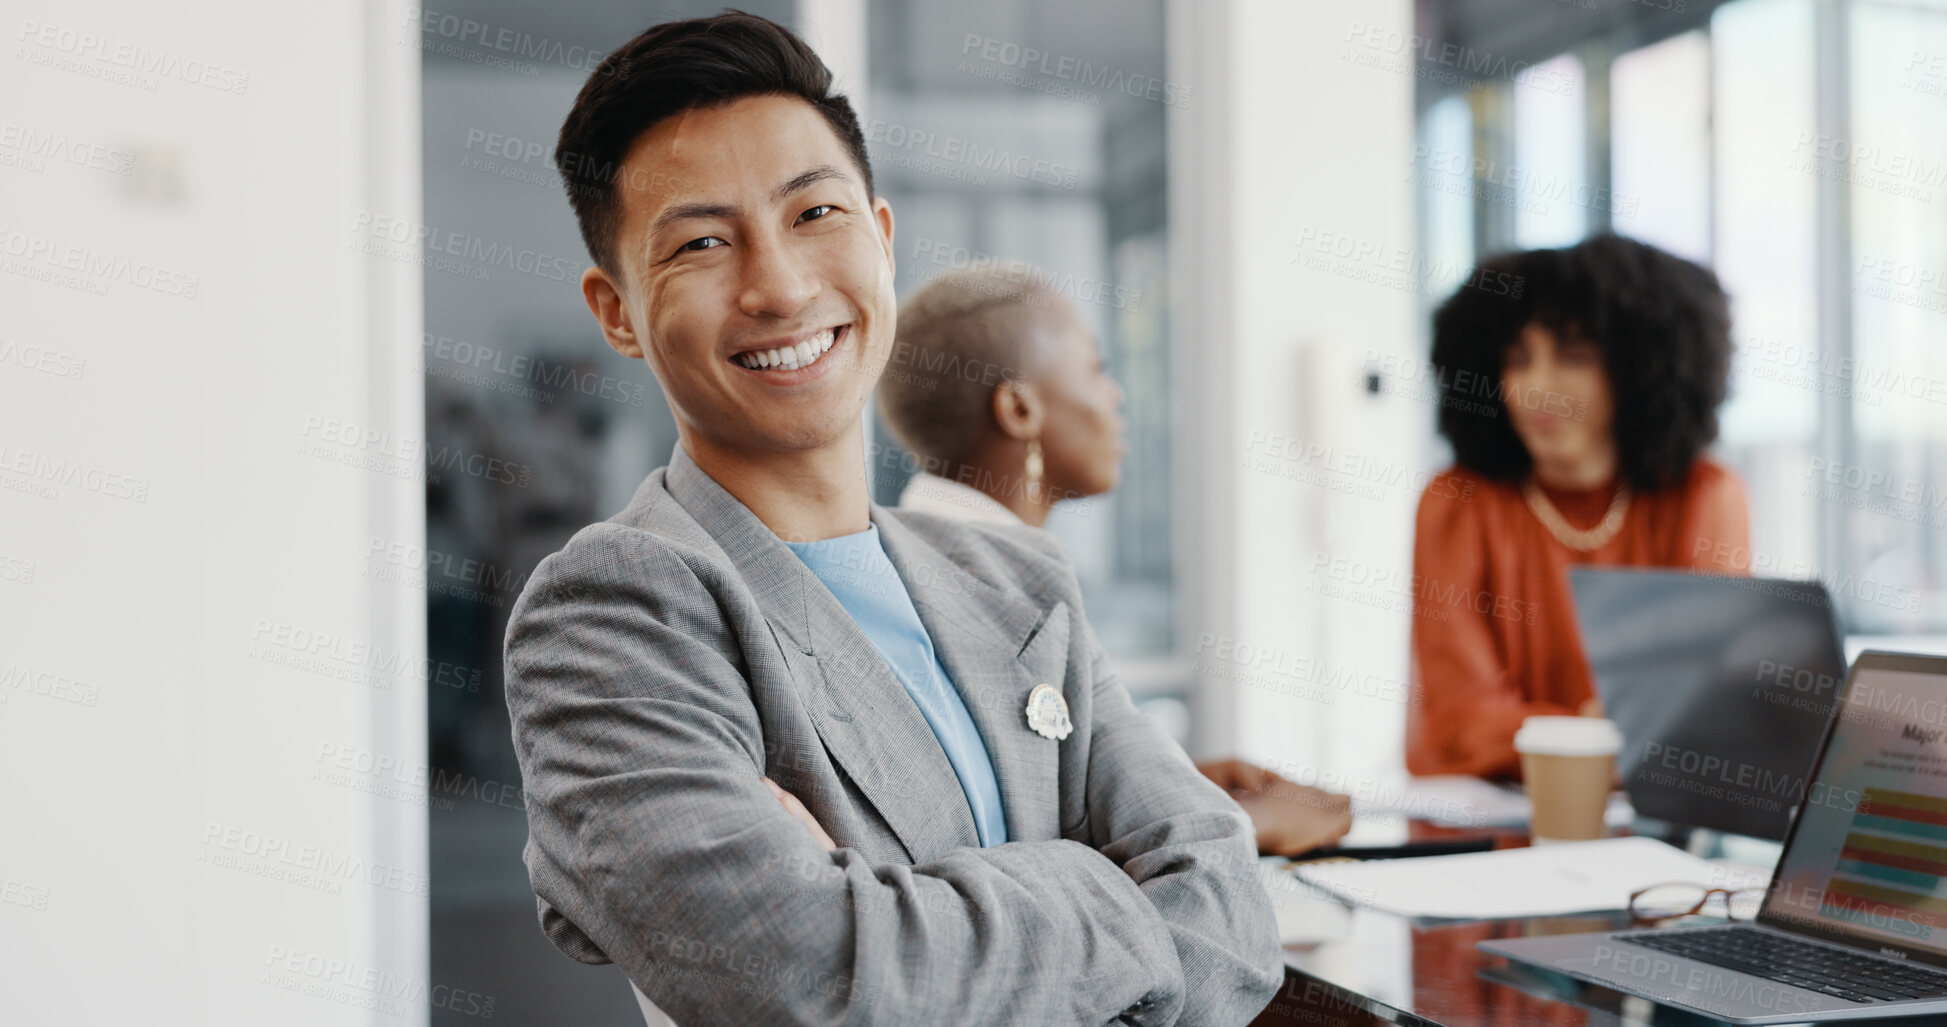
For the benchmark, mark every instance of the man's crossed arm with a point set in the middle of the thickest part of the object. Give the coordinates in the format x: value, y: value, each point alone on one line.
x: 654, y: 834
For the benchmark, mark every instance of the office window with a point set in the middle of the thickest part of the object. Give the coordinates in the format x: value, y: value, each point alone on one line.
x: 1659, y: 130
x: 1550, y: 147
x: 1799, y: 149
x: 1443, y: 172
x: 1016, y: 131
x: 1762, y: 65
x: 1891, y: 494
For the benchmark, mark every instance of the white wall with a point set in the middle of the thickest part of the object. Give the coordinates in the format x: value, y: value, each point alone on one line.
x: 1293, y: 141
x: 183, y: 582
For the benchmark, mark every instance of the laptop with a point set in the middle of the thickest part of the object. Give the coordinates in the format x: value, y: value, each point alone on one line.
x: 1854, y: 922
x: 1722, y: 687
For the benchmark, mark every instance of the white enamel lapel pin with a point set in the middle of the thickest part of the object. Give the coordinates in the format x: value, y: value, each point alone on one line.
x: 1048, y: 713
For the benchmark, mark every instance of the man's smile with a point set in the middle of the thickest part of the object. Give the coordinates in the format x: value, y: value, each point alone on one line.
x: 790, y: 359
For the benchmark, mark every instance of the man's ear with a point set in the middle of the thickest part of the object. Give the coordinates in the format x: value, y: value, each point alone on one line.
x: 882, y: 213
x: 1018, y: 409
x: 605, y: 302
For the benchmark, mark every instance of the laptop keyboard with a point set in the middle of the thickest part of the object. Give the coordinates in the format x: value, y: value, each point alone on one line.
x: 1858, y: 978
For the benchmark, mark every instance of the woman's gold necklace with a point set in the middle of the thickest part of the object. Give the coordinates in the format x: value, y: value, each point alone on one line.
x: 1581, y: 540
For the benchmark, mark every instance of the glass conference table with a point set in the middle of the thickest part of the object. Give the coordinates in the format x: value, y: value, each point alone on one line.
x: 1371, y: 967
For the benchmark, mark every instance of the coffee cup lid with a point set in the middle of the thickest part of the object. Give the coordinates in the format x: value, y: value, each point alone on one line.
x: 1568, y: 736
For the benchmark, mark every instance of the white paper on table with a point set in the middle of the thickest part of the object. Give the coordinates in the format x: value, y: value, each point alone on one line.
x: 1460, y: 800
x: 1456, y: 799
x: 1307, y: 914
x: 1541, y: 880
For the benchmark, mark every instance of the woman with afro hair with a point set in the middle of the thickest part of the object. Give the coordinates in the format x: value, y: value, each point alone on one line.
x: 1579, y: 395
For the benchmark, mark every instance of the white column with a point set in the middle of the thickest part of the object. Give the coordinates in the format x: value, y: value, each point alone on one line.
x: 190, y: 634
x: 1292, y: 136
x: 836, y: 29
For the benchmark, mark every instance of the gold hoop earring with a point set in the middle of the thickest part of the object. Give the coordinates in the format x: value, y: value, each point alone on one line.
x: 1035, y: 469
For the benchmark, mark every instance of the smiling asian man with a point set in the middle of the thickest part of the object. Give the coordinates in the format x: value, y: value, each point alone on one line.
x: 791, y: 757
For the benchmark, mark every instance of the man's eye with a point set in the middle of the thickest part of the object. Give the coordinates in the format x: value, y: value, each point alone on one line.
x: 816, y: 212
x: 708, y: 242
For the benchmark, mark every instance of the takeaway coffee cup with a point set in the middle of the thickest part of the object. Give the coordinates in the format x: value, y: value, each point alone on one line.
x: 1568, y: 764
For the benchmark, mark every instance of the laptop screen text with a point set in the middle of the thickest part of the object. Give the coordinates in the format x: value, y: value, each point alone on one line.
x: 1868, y: 857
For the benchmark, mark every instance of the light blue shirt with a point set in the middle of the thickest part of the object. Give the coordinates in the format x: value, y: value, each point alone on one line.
x: 863, y: 580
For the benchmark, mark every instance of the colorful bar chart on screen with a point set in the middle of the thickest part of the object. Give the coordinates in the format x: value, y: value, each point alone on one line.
x: 1894, y: 864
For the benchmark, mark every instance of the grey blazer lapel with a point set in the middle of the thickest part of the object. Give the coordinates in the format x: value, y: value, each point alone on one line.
x: 865, y: 717
x: 997, y: 646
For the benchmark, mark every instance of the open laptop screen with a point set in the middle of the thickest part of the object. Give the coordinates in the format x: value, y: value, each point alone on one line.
x: 1867, y: 858
x: 1722, y: 686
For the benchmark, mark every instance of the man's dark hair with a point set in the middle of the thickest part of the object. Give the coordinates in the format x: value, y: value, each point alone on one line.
x: 671, y: 69
x: 1663, y: 325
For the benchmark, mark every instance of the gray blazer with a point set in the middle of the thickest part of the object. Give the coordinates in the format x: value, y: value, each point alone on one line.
x: 667, y: 658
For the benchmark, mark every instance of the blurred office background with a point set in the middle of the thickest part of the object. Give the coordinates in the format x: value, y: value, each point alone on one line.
x: 384, y: 401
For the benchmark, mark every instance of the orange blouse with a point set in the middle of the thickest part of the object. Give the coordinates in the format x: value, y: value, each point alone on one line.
x: 1494, y: 633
